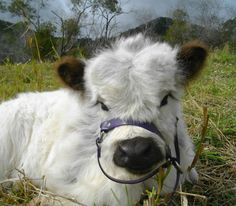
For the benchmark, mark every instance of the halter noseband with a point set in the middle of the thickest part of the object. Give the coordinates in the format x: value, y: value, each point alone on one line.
x: 106, y: 126
x: 113, y: 123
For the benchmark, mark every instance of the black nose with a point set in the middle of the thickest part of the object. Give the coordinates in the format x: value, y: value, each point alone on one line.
x: 138, y: 154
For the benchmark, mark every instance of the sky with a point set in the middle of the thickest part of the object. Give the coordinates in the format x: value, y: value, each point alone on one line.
x: 157, y: 8
x: 136, y: 12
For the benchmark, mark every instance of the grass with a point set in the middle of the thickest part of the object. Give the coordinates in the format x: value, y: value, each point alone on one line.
x: 26, y: 77
x: 214, y: 90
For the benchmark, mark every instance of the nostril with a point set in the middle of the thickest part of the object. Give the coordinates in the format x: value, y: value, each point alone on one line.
x: 120, y: 156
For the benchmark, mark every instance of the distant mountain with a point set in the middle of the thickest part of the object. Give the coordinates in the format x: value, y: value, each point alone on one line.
x: 229, y: 29
x: 13, y: 37
x: 154, y: 28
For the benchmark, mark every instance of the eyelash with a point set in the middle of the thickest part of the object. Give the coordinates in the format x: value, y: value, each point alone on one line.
x: 164, y: 101
x: 103, y: 106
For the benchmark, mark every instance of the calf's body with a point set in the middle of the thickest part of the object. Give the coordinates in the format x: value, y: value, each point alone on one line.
x: 46, y: 134
x: 52, y: 134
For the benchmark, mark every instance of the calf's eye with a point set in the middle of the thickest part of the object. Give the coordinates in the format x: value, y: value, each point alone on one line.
x: 164, y: 101
x: 104, y: 107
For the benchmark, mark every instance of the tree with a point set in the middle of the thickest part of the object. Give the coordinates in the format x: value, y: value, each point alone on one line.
x: 43, y: 41
x: 87, y: 14
x: 208, y: 15
x: 70, y: 27
x: 106, y: 12
x: 229, y: 32
x: 179, y: 31
x: 26, y: 10
x: 38, y: 33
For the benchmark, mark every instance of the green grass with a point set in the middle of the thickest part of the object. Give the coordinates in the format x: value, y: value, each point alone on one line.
x: 26, y: 77
x: 215, y: 89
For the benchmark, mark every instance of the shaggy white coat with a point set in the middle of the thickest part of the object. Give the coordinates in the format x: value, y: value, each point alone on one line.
x: 52, y: 134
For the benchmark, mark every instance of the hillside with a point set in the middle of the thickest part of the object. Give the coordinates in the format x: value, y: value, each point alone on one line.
x: 14, y: 37
x: 154, y: 28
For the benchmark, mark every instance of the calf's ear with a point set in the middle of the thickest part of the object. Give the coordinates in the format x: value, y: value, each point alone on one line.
x: 71, y: 72
x: 190, y: 59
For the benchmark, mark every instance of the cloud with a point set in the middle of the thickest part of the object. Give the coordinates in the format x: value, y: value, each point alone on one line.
x: 136, y: 12
x: 63, y: 6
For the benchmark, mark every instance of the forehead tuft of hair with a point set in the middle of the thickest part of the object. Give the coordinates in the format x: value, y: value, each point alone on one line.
x: 133, y: 43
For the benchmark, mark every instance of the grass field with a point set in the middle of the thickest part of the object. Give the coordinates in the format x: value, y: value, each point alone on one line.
x: 214, y: 90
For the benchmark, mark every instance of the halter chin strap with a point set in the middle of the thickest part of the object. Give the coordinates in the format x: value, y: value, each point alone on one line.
x: 106, y: 126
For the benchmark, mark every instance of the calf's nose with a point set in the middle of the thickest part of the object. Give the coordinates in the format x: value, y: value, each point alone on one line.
x: 138, y: 154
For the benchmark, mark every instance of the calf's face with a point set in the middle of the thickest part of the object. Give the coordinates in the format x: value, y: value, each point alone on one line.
x: 138, y: 80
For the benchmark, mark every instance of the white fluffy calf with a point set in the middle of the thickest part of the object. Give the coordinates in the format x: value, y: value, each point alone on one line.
x: 52, y: 134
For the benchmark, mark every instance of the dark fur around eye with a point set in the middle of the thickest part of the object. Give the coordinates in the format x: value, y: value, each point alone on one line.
x: 104, y: 107
x: 164, y: 101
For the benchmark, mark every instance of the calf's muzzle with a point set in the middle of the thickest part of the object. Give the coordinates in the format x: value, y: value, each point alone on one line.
x: 138, y: 155
x: 147, y: 151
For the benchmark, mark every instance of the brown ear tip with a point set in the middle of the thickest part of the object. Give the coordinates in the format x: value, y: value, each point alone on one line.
x: 69, y: 65
x: 191, y: 59
x: 193, y: 51
x: 68, y: 61
x: 196, y: 45
x: 71, y: 72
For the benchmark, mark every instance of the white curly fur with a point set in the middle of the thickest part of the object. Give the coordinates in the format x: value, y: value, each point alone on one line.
x: 52, y: 134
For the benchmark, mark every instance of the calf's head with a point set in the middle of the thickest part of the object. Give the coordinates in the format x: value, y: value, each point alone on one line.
x: 141, y: 81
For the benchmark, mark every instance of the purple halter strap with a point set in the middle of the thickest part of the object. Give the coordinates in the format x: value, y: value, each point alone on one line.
x: 113, y: 123
x: 106, y: 126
